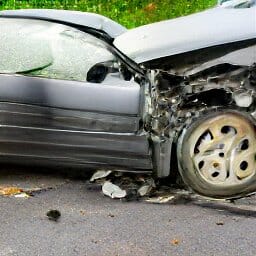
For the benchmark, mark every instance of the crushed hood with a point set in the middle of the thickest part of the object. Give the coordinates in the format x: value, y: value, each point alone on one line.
x: 212, y: 27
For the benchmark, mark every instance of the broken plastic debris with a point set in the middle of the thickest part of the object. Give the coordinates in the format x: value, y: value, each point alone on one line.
x: 144, y: 190
x: 100, y: 174
x: 160, y: 199
x: 22, y: 195
x: 112, y: 190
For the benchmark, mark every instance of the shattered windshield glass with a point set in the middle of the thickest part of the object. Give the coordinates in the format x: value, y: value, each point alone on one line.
x: 41, y: 48
x: 20, y: 50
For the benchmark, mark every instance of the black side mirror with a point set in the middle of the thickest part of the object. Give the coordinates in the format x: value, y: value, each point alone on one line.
x: 97, y: 73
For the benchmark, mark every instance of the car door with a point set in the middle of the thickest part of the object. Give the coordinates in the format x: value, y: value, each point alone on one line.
x: 50, y: 112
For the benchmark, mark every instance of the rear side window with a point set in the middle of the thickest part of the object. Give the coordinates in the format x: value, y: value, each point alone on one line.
x: 46, y: 49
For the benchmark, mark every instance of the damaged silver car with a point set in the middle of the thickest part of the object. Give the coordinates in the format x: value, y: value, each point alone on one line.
x: 78, y: 89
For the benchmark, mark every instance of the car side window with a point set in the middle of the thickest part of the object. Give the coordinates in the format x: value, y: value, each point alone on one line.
x: 47, y: 49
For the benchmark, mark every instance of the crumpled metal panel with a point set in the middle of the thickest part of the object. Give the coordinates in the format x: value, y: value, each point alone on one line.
x: 216, y: 26
x: 41, y: 135
x: 63, y: 147
x: 15, y: 114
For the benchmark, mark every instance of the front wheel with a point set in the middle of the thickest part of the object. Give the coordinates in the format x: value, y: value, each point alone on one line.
x: 217, y: 153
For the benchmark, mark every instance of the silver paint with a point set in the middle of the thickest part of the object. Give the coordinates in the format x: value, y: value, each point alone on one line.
x: 65, y: 137
x: 216, y: 26
x: 122, y: 98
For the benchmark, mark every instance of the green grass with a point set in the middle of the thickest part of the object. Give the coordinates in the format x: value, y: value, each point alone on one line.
x: 130, y: 13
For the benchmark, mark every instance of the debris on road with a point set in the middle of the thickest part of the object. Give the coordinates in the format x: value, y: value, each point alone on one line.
x: 160, y: 199
x: 23, y: 184
x: 53, y: 215
x: 175, y: 241
x: 19, y: 192
x: 14, y: 191
x: 144, y: 190
x: 112, y: 190
x: 147, y: 187
x: 22, y: 195
x: 138, y: 187
x: 82, y: 212
x: 172, y: 195
x: 120, y: 185
x: 10, y: 191
x: 100, y: 174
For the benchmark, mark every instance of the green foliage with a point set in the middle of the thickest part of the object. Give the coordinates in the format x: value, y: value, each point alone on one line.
x: 130, y: 13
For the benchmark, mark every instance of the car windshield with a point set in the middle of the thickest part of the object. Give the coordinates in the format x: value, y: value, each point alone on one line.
x: 41, y: 48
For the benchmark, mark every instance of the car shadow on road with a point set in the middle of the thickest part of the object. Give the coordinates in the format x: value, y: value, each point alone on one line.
x: 230, y: 209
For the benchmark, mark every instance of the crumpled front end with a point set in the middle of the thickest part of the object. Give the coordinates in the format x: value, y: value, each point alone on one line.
x: 189, y: 89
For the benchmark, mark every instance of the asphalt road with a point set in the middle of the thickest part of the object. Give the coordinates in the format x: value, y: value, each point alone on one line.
x: 94, y: 225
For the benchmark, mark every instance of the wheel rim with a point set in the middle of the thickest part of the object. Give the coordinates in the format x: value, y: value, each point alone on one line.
x: 223, y: 149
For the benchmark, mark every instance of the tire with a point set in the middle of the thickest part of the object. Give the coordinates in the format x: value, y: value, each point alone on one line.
x: 216, y: 155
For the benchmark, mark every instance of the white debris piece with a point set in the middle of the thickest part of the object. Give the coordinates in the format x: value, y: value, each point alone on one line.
x: 112, y: 190
x: 147, y: 188
x: 144, y: 190
x: 22, y: 195
x: 100, y: 174
x: 160, y: 199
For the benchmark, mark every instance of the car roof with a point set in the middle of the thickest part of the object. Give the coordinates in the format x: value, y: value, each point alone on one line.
x: 86, y: 19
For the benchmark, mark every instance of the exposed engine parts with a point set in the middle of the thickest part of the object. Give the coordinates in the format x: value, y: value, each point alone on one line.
x: 193, y: 97
x: 184, y: 98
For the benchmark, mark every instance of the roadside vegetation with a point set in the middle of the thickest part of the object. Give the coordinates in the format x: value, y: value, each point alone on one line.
x: 130, y: 13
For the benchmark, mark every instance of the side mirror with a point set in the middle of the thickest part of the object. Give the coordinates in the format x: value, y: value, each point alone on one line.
x: 97, y: 73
